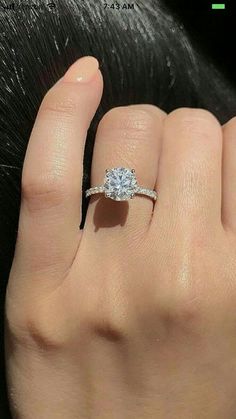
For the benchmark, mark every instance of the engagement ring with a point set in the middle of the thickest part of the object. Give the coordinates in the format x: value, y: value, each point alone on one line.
x: 120, y: 184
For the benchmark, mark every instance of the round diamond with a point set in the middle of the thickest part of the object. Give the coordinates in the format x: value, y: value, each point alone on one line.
x: 120, y: 183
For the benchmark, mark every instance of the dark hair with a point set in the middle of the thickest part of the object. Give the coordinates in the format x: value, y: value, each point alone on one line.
x: 145, y: 57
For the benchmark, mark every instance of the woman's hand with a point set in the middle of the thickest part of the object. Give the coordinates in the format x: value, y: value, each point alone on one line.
x: 135, y: 315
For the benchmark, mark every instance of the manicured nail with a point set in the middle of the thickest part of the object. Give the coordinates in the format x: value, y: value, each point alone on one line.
x: 82, y: 71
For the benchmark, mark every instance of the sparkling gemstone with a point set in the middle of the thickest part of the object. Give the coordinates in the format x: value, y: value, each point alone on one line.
x: 120, y: 183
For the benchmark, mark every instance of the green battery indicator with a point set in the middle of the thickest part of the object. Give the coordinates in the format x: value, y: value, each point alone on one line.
x: 218, y: 6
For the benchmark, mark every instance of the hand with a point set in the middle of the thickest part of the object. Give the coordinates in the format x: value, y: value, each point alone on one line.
x: 133, y: 316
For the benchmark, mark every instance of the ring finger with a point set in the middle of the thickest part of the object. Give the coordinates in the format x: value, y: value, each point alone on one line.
x: 130, y: 137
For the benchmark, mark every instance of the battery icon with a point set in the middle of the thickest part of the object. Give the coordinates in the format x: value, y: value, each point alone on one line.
x: 218, y: 6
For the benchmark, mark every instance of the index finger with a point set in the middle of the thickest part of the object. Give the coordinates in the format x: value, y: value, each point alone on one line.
x: 50, y: 213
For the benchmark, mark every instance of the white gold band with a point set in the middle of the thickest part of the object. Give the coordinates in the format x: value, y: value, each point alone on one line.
x: 139, y: 190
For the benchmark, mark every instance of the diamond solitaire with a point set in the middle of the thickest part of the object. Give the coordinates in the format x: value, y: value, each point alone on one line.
x: 120, y: 184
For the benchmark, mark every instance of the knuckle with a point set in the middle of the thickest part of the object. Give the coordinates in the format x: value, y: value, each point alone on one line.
x: 105, y: 315
x: 45, y: 334
x: 182, y: 314
x: 157, y: 112
x: 36, y: 327
x: 107, y: 325
x: 42, y: 193
x: 63, y: 101
x: 134, y: 119
x: 182, y: 310
x: 192, y: 118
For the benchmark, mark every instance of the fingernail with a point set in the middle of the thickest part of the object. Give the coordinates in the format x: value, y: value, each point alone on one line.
x: 82, y: 71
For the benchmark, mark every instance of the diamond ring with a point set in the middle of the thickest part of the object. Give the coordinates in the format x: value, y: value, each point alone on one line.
x: 120, y: 184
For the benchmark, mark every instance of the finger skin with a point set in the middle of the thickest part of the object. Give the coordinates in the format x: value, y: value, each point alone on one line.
x: 189, y: 176
x: 229, y: 176
x: 50, y: 215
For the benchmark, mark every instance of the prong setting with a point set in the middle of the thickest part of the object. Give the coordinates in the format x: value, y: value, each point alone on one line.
x: 120, y: 184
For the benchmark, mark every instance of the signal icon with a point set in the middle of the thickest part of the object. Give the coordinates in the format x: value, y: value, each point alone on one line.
x: 51, y: 5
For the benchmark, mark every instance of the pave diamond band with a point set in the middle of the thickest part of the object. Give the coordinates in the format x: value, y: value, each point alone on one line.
x: 120, y: 184
x: 139, y: 190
